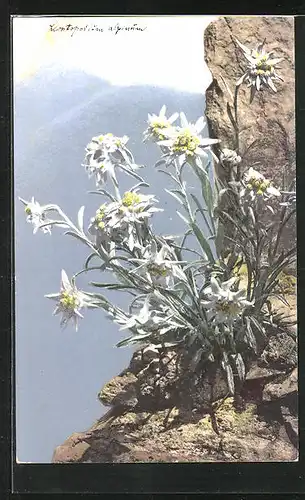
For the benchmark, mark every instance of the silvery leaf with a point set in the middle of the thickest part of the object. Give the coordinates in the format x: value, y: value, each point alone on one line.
x: 240, y: 365
x: 80, y: 218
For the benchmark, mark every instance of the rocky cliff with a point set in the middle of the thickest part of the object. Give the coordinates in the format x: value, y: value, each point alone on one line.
x: 267, y: 125
x: 161, y: 414
x: 158, y: 411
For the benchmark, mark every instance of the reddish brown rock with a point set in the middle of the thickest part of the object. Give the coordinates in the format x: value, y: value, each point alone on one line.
x: 168, y: 418
x: 282, y: 387
x: 270, y: 119
x: 267, y: 125
x: 181, y: 429
x: 72, y: 450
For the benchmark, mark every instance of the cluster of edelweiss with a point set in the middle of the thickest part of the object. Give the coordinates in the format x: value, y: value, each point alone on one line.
x: 172, y: 298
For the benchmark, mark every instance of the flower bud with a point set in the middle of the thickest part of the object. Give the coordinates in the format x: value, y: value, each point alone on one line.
x: 229, y: 157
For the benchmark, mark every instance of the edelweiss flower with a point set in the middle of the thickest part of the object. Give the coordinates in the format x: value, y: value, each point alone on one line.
x: 133, y: 207
x: 153, y: 318
x: 69, y: 301
x: 230, y: 157
x: 159, y: 267
x: 97, y: 228
x: 261, y: 68
x: 224, y: 306
x: 141, y: 319
x: 106, y: 152
x: 257, y: 185
x: 185, y: 142
x: 119, y: 221
x: 36, y: 214
x: 157, y: 124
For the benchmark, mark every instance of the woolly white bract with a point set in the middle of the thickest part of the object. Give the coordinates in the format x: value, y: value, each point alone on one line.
x: 157, y: 124
x: 256, y: 185
x: 159, y: 267
x: 36, y: 214
x: 224, y: 305
x: 70, y: 301
x: 105, y: 153
x: 120, y: 221
x: 261, y: 69
x: 185, y: 142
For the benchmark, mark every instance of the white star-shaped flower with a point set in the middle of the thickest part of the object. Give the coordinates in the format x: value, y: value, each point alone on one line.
x: 261, y: 69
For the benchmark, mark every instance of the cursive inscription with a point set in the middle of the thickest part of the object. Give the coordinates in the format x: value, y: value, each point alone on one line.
x: 115, y: 28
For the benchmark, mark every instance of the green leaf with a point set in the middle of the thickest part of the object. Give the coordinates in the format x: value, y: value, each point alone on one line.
x: 251, y: 212
x: 196, y: 359
x: 202, y: 211
x: 77, y: 236
x: 250, y: 335
x: 59, y: 223
x: 281, y: 298
x: 103, y: 192
x: 175, y: 193
x: 227, y: 88
x: 240, y: 365
x: 93, y: 254
x: 258, y: 326
x: 111, y: 286
x: 183, y: 218
x: 80, y: 218
x: 240, y: 230
x: 219, y: 241
x: 230, y: 115
x: 203, y: 242
x: 132, y: 173
x: 160, y: 162
x: 132, y: 340
x: 169, y: 175
x: 229, y: 373
x: 193, y: 264
x: 206, y: 189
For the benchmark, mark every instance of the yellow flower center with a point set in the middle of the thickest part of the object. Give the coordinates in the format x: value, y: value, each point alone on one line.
x: 227, y: 307
x: 69, y: 301
x: 102, y: 137
x: 186, y: 142
x: 259, y: 185
x: 130, y: 199
x: 157, y: 270
x: 100, y: 214
x: 157, y: 125
x: 263, y: 67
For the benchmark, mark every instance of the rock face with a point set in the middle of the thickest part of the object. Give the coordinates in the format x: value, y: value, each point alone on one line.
x: 269, y: 120
x: 267, y: 125
x: 160, y: 415
x: 159, y: 411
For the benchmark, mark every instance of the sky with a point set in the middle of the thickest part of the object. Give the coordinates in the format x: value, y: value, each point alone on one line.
x: 123, y: 57
x: 69, y: 86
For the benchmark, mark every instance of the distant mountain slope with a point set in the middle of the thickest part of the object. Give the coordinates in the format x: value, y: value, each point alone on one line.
x: 56, y: 114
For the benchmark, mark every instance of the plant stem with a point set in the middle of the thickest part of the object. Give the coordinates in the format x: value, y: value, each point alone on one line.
x: 236, y: 129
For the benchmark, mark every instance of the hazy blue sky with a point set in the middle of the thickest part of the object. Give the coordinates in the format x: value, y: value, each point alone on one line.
x: 68, y: 89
